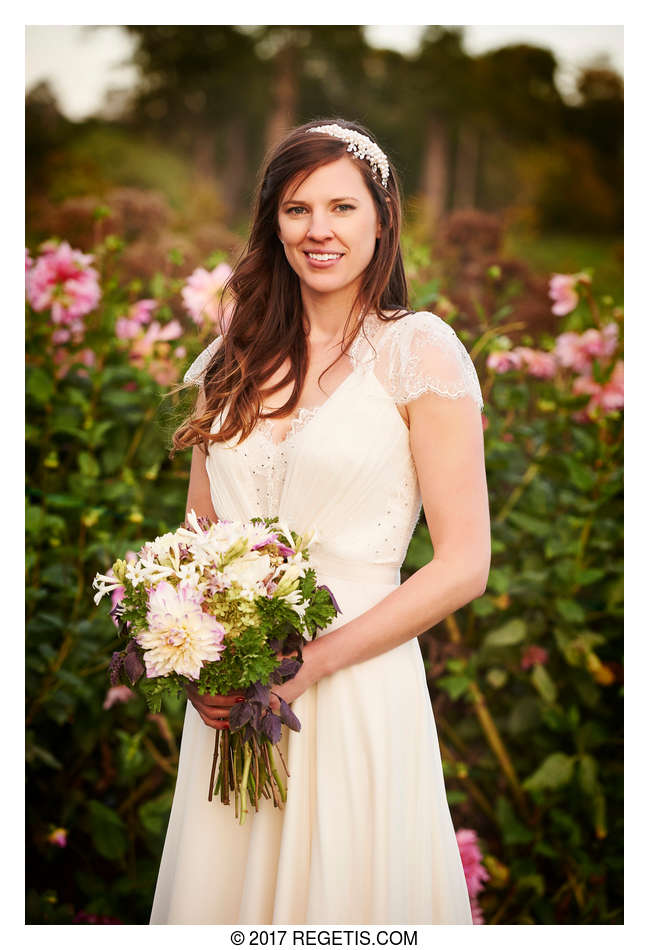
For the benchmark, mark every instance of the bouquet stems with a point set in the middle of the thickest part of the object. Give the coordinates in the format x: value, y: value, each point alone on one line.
x: 248, y: 767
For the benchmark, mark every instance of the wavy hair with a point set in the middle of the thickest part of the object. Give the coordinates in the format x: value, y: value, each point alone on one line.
x: 267, y: 322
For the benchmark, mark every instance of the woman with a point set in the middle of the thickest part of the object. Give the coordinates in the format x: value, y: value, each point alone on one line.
x: 344, y: 411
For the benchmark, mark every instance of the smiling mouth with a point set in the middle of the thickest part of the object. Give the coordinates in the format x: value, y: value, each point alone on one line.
x: 322, y: 256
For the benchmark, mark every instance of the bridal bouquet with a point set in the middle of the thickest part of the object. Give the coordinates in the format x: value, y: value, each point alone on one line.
x: 219, y: 605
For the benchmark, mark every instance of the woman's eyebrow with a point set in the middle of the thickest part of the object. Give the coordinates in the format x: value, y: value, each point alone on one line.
x: 295, y: 201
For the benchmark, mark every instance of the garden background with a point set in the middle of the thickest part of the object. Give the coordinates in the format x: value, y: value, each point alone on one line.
x: 513, y: 233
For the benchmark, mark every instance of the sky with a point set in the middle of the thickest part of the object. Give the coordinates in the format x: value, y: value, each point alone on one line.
x: 81, y: 63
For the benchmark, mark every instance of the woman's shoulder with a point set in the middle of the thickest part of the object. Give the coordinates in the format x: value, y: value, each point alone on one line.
x: 426, y: 354
x: 424, y: 321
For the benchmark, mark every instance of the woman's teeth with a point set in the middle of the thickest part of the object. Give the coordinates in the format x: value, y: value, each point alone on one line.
x: 323, y: 257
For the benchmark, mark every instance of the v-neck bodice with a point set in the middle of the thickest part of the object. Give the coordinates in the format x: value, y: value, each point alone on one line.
x: 345, y: 467
x: 304, y: 414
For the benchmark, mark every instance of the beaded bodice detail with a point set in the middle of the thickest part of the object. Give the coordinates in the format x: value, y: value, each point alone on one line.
x: 345, y: 466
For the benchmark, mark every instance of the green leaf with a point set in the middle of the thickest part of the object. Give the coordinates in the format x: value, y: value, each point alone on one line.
x: 524, y: 715
x: 556, y: 770
x: 513, y: 831
x: 40, y: 386
x: 508, y: 635
x: 154, y: 814
x: 499, y: 580
x: 543, y: 683
x: 455, y: 796
x: 88, y: 465
x: 108, y: 831
x: 581, y: 476
x: 570, y: 610
x: 588, y: 774
x: 538, y: 527
x: 534, y: 882
x: 455, y: 686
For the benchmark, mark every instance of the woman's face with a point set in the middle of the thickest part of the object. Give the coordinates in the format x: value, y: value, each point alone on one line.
x: 329, y: 226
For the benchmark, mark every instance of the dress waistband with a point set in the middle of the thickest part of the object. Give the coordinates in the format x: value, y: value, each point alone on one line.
x: 355, y: 570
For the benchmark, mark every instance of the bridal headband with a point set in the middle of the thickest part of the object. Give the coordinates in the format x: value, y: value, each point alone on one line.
x: 361, y: 146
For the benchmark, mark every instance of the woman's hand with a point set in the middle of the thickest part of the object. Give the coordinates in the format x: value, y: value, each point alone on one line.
x: 293, y: 688
x: 213, y: 710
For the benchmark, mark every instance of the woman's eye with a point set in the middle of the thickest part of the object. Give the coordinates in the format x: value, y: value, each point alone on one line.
x: 292, y: 210
x: 346, y: 207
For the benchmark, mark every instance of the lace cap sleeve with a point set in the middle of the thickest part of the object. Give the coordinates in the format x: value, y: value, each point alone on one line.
x: 200, y: 364
x: 426, y: 355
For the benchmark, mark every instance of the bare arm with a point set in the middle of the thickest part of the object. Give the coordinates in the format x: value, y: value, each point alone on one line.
x: 447, y: 444
x: 198, y: 493
x: 214, y: 710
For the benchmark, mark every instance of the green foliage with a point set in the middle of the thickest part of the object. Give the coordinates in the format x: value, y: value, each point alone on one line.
x: 535, y: 677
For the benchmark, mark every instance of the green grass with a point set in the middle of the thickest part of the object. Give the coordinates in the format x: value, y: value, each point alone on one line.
x: 569, y: 253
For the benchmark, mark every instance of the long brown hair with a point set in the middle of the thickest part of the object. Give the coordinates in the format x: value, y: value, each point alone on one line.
x: 267, y: 320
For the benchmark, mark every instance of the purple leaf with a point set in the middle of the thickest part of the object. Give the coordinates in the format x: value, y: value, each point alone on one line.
x: 333, y: 599
x: 287, y: 715
x: 240, y: 714
x: 255, y: 719
x: 289, y: 667
x: 115, y: 668
x: 271, y: 726
x: 133, y: 666
x: 258, y: 693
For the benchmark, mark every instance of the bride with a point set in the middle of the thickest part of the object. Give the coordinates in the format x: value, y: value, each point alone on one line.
x: 328, y: 402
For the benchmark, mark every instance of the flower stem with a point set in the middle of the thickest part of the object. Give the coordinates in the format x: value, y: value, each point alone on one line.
x: 247, y: 755
x: 214, y: 760
x: 273, y: 768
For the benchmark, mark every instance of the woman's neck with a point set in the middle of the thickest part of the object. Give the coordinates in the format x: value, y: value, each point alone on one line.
x: 326, y: 315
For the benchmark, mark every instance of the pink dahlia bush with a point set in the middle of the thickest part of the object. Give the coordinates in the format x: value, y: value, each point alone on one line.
x: 63, y: 280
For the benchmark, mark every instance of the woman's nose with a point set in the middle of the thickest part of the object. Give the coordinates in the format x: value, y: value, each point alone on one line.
x: 320, y: 226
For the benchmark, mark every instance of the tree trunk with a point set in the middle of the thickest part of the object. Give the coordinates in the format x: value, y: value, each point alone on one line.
x: 282, y: 117
x: 234, y: 172
x: 466, y: 170
x: 434, y: 183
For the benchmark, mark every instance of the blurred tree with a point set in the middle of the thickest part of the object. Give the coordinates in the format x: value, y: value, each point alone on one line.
x: 206, y: 88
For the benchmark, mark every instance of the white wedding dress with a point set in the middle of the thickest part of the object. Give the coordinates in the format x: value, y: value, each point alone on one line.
x: 366, y: 835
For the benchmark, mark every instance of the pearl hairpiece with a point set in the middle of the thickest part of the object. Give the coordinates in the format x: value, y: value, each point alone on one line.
x: 361, y: 146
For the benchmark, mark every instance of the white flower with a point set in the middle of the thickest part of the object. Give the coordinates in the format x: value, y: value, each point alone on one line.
x: 180, y: 637
x: 249, y: 571
x: 104, y: 584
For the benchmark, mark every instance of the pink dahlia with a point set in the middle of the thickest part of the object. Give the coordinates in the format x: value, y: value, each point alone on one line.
x: 117, y: 694
x: 538, y: 363
x: 471, y: 855
x: 563, y: 293
x: 533, y: 654
x: 155, y: 333
x: 501, y: 361
x: 577, y: 351
x: 608, y: 396
x: 142, y: 310
x: 202, y: 291
x: 179, y: 637
x: 63, y: 280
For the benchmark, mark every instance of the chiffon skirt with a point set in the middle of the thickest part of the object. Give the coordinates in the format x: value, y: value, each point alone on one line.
x: 365, y: 836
